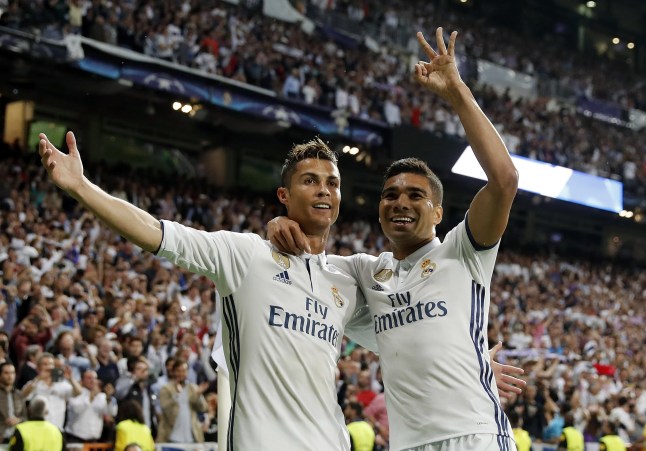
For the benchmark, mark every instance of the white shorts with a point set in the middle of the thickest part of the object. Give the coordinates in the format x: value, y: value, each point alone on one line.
x: 473, y: 442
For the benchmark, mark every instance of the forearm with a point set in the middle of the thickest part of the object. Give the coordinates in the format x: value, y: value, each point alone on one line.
x: 484, y: 139
x: 134, y: 224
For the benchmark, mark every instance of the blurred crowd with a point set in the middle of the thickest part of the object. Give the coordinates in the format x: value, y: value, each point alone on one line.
x: 109, y: 334
x: 341, y: 74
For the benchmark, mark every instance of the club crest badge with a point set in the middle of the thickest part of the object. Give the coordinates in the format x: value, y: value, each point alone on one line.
x: 281, y: 259
x: 338, y: 300
x: 383, y: 275
x: 428, y: 268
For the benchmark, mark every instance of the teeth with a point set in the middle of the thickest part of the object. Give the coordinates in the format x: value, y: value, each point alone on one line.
x: 402, y: 219
x: 327, y: 207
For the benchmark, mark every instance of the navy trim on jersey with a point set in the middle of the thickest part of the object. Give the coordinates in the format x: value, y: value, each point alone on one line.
x: 162, y: 240
x: 307, y: 265
x: 231, y: 318
x: 486, y: 372
x: 476, y: 246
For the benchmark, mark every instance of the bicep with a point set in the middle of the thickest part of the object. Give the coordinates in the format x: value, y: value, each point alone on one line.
x: 489, y: 214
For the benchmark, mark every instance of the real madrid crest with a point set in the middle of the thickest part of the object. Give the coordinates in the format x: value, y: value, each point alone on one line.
x: 281, y: 259
x: 338, y: 300
x: 428, y: 267
x: 383, y: 275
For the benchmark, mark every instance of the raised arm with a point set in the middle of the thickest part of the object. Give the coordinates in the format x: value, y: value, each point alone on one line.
x: 489, y: 210
x: 66, y: 171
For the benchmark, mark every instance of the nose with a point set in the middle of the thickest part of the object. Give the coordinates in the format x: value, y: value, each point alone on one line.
x: 401, y: 203
x: 323, y: 190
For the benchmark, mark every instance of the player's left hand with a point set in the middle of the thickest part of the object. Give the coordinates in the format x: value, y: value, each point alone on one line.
x: 287, y: 236
x: 506, y: 380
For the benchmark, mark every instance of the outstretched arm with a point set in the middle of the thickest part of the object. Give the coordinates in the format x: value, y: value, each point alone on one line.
x: 489, y: 210
x: 66, y: 171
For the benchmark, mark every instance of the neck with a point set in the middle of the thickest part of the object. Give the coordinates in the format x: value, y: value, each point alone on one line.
x: 6, y: 387
x: 402, y: 251
x: 317, y: 242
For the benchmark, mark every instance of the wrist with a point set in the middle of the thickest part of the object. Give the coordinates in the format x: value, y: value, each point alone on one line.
x: 459, y: 96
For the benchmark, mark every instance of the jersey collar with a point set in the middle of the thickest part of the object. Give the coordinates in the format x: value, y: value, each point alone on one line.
x: 409, y: 261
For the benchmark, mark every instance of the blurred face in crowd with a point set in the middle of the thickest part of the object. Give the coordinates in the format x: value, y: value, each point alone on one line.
x: 46, y: 365
x: 135, y: 348
x: 89, y: 380
x: 407, y: 214
x: 180, y: 373
x: 313, y: 195
x: 8, y: 376
x: 66, y: 345
x: 140, y: 371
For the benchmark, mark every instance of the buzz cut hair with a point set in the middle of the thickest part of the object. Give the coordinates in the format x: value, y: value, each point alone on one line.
x: 314, y: 148
x: 417, y: 166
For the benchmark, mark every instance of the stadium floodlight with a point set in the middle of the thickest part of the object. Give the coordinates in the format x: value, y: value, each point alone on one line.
x: 346, y: 149
x: 591, y: 4
x: 616, y: 41
x: 177, y: 106
x: 354, y: 150
x: 553, y: 181
x: 630, y: 45
x: 187, y: 108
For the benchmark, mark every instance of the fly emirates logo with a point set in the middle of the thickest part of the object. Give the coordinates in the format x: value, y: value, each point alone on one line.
x: 406, y: 311
x: 310, y: 324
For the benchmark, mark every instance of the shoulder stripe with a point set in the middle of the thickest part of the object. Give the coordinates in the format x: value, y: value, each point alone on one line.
x: 231, y: 319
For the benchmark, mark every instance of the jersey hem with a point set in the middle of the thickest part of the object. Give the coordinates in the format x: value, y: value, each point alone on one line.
x: 446, y: 437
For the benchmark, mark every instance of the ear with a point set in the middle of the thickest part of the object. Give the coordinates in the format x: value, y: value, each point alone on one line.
x: 438, y: 213
x: 283, y: 195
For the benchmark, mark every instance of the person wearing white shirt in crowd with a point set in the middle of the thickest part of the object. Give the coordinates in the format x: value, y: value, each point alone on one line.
x: 292, y: 86
x: 65, y: 343
x: 87, y: 411
x: 56, y: 391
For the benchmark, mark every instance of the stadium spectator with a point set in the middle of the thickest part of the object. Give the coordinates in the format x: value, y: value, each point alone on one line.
x: 361, y: 432
x: 88, y: 411
x: 181, y: 403
x: 29, y: 369
x: 56, y: 385
x: 135, y: 385
x: 131, y: 428
x: 13, y: 409
x: 37, y: 432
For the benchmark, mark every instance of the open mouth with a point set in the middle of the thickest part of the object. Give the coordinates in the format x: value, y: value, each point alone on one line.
x: 322, y: 206
x: 401, y: 220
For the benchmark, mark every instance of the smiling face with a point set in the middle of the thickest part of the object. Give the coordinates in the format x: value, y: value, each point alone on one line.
x: 313, y: 195
x: 407, y: 213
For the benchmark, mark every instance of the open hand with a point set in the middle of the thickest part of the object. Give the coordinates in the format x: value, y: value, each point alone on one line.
x: 506, y: 380
x: 66, y: 171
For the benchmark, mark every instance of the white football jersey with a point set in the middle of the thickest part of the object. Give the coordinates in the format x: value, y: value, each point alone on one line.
x: 430, y: 314
x: 283, y: 319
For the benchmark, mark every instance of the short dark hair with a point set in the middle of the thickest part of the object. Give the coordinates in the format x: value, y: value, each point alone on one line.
x: 417, y: 166
x: 357, y: 407
x: 178, y: 362
x: 314, y: 148
x: 130, y: 409
x: 5, y: 363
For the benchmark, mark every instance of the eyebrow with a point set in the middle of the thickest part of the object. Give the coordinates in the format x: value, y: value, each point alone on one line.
x: 408, y: 190
x: 317, y: 176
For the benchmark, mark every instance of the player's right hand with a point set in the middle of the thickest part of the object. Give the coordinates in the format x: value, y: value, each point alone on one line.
x: 66, y: 171
x: 287, y: 236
